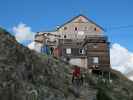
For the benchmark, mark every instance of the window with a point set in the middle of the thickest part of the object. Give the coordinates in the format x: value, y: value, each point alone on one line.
x: 76, y: 28
x: 95, y: 60
x: 95, y: 29
x: 65, y: 36
x: 65, y: 28
x: 95, y: 46
x: 81, y: 51
x: 68, y: 51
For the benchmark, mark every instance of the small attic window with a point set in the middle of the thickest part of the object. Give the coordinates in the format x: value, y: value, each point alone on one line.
x: 95, y: 29
x: 65, y: 28
x: 76, y: 28
x: 65, y: 36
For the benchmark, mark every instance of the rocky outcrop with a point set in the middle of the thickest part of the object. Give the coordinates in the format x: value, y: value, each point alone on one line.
x: 27, y: 75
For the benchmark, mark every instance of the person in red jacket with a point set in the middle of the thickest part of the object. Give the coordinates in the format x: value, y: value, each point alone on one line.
x: 76, y: 74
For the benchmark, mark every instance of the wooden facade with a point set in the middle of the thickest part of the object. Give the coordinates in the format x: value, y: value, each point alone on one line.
x: 97, y: 48
x: 82, y: 42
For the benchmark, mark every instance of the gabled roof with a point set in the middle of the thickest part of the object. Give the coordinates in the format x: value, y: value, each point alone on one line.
x: 85, y: 18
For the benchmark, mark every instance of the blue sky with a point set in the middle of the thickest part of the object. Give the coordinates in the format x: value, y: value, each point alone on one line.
x: 43, y: 15
x: 115, y: 16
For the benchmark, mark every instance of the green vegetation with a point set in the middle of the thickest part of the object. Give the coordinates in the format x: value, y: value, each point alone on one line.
x: 102, y: 95
x: 27, y: 75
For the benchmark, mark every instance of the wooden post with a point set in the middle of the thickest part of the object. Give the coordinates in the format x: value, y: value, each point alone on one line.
x: 109, y: 76
x: 102, y: 74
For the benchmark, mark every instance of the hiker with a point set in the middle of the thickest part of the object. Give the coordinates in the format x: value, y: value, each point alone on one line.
x: 77, y: 75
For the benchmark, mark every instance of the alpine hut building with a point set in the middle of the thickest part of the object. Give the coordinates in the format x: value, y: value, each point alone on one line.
x: 80, y: 41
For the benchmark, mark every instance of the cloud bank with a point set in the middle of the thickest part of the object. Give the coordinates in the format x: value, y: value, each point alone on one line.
x: 23, y: 33
x: 122, y: 60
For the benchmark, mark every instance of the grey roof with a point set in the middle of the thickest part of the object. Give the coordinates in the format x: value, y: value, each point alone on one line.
x: 85, y: 18
x: 74, y: 19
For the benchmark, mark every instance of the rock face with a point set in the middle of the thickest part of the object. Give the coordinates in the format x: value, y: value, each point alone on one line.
x: 27, y: 75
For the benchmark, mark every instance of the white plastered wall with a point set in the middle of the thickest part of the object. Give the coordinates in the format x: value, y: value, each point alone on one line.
x: 81, y: 62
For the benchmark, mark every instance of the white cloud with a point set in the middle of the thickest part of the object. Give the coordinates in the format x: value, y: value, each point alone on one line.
x: 131, y: 77
x: 31, y: 46
x: 23, y: 32
x: 121, y: 59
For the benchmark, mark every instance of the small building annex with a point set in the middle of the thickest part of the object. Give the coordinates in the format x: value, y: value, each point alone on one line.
x: 80, y: 41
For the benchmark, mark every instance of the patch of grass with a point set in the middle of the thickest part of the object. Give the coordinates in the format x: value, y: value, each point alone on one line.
x: 103, y: 95
x: 43, y: 55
